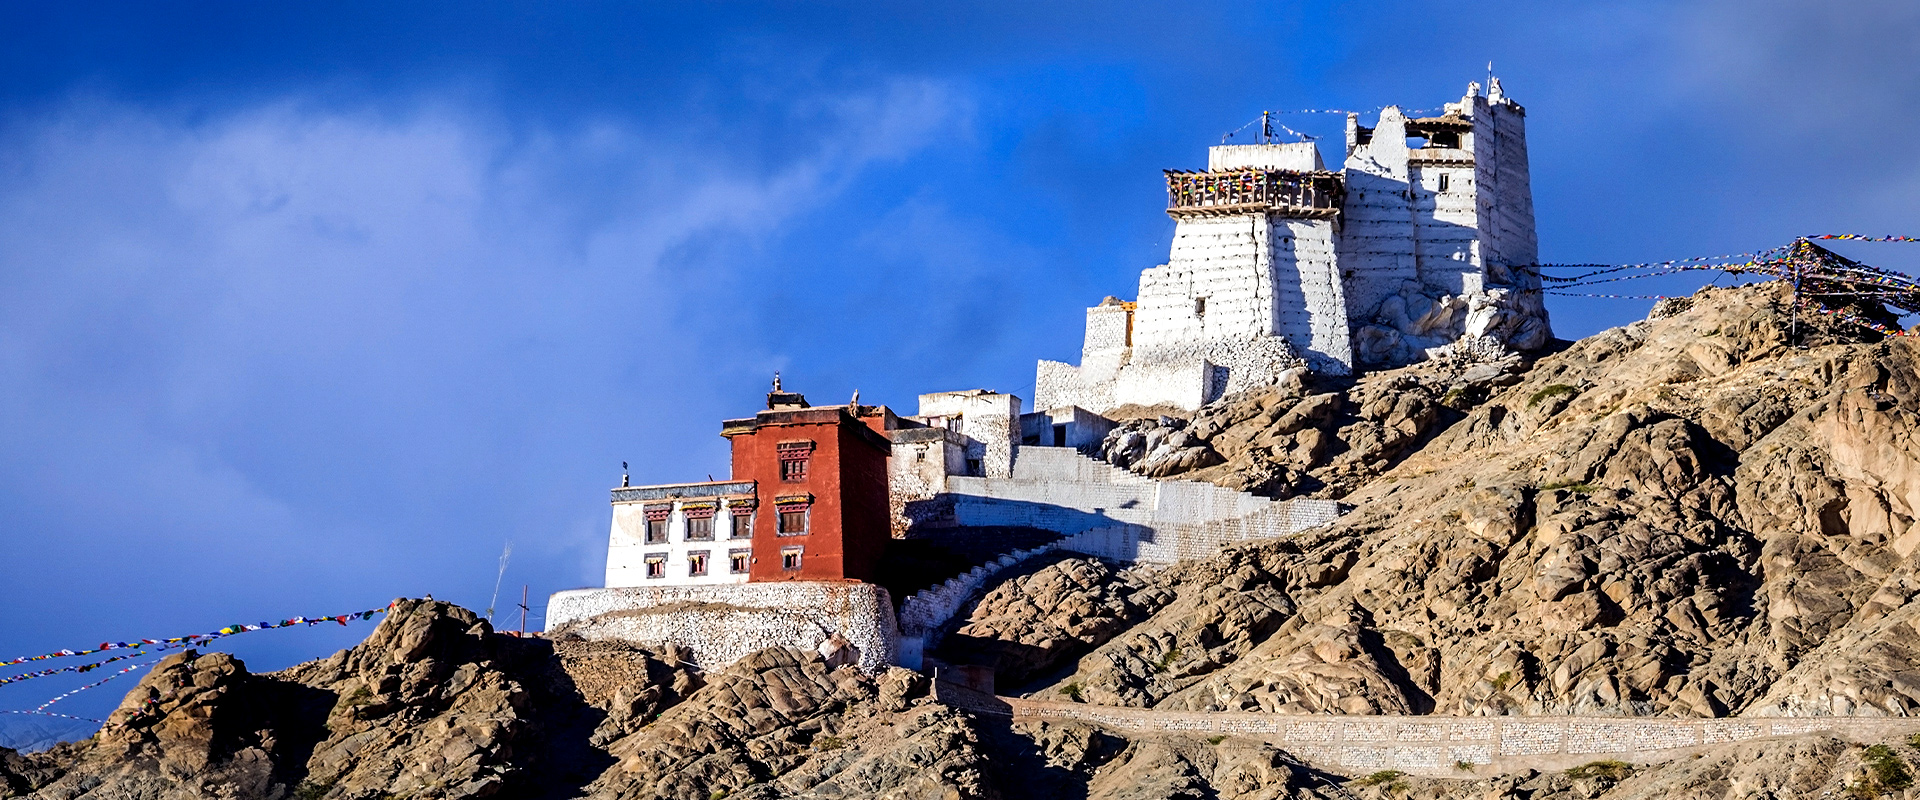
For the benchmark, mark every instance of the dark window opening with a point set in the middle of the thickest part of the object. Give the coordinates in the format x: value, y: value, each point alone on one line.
x: 1199, y: 306
x: 700, y: 529
x: 737, y: 561
x: 793, y: 470
x: 1443, y: 181
x: 793, y: 521
x: 696, y: 564
x: 1059, y: 436
x: 657, y: 565
x: 974, y: 468
x: 657, y: 531
x: 790, y: 558
x: 742, y: 524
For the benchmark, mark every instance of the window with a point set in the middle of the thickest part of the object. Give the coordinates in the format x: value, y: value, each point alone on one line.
x: 742, y: 523
x: 793, y: 521
x: 657, y: 517
x: 790, y: 557
x: 1199, y: 306
x: 974, y: 468
x: 656, y: 565
x: 737, y: 561
x: 1443, y: 181
x: 697, y: 563
x: 793, y: 460
x: 700, y: 529
x: 920, y: 453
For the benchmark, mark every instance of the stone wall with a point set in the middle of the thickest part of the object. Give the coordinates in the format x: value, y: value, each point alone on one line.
x: 1108, y: 513
x: 723, y: 623
x: 1435, y: 745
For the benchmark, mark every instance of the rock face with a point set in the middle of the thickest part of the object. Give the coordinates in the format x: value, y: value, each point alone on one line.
x: 1035, y: 623
x: 1311, y: 436
x: 435, y: 705
x: 1686, y: 516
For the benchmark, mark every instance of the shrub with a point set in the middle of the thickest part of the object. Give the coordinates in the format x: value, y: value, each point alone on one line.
x: 308, y: 790
x: 1572, y: 486
x: 1072, y: 691
x: 1166, y: 660
x: 1216, y: 739
x: 1913, y: 741
x: 1383, y: 776
x: 1886, y: 773
x: 829, y: 743
x: 1500, y: 681
x: 1551, y: 391
x: 1609, y: 770
x: 1463, y: 766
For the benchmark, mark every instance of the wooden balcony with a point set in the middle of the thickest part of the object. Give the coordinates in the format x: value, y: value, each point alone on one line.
x: 1311, y: 195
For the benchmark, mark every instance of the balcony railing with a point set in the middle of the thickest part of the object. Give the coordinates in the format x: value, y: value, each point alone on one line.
x: 1245, y: 191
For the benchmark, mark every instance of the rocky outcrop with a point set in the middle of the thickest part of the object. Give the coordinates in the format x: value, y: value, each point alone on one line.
x: 435, y: 705
x: 1684, y: 516
x: 1033, y: 624
x: 780, y: 724
x: 1311, y: 436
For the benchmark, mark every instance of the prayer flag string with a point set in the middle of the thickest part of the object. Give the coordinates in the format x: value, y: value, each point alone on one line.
x: 51, y: 714
x: 1855, y: 237
x: 1824, y: 282
x: 141, y: 646
x: 122, y: 671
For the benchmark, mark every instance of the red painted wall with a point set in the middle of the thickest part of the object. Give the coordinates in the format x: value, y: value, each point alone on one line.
x: 848, y: 523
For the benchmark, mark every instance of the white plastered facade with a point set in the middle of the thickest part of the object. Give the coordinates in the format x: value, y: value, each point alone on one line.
x: 629, y: 552
x: 1420, y: 254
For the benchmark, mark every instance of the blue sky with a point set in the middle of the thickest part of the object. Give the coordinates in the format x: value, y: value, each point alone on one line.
x: 303, y: 308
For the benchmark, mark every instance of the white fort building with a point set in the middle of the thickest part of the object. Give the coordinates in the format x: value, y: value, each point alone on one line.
x: 1413, y: 248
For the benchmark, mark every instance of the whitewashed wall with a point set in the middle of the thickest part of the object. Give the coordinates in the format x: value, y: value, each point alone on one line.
x: 627, y: 549
x: 723, y: 623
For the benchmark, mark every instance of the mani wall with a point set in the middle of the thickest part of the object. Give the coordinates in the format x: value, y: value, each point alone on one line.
x: 721, y: 624
x: 1437, y: 745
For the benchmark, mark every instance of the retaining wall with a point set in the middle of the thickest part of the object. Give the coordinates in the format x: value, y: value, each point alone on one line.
x: 1108, y: 513
x: 1436, y: 745
x: 723, y: 623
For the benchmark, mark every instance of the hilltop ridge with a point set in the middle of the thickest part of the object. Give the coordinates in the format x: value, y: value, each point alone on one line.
x: 1695, y: 515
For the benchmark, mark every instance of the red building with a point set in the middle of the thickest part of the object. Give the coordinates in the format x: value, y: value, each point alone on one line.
x: 820, y: 486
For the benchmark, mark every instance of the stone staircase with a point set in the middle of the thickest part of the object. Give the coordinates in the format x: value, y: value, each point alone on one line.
x: 1103, y: 512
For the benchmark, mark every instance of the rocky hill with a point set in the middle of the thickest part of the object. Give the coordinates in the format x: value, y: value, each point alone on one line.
x: 1691, y: 516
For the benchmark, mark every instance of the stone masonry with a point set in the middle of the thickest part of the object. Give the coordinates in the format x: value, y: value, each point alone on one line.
x: 1437, y: 745
x: 1415, y: 246
x: 723, y: 623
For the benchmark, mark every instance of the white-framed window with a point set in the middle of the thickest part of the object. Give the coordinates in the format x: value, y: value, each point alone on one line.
x: 657, y: 518
x: 792, y: 519
x: 739, y: 561
x: 656, y: 565
x: 790, y: 557
x: 742, y: 523
x: 697, y: 563
x: 700, y: 528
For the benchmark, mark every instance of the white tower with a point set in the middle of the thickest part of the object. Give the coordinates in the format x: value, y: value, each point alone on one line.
x: 1278, y: 263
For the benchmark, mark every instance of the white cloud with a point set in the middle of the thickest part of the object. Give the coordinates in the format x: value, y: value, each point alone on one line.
x: 246, y: 341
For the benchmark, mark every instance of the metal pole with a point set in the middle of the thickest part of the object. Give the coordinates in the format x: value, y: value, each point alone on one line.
x: 523, y: 610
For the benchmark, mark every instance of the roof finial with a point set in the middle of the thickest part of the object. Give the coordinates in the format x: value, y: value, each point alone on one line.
x: 776, y: 380
x: 855, y: 402
x: 623, y: 474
